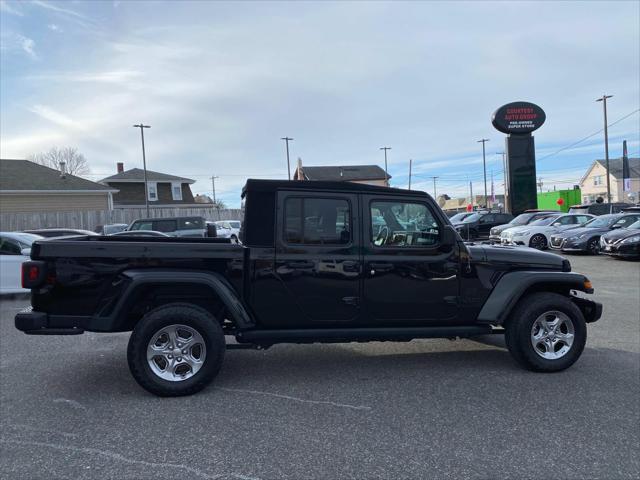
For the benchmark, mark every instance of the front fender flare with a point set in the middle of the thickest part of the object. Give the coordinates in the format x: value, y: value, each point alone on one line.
x: 513, y: 285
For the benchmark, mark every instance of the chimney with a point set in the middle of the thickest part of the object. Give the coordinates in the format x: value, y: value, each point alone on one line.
x: 63, y: 169
x: 120, y: 167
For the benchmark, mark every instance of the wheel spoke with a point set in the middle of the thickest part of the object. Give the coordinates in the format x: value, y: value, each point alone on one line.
x: 169, y: 340
x: 555, y: 331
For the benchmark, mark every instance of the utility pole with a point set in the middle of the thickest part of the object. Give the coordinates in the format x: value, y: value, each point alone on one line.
x: 540, y: 184
x: 386, y: 172
x: 484, y: 167
x: 287, y: 140
x: 435, y: 194
x: 606, y: 145
x: 141, y: 126
x: 213, y: 189
x: 410, y: 162
x: 471, y: 194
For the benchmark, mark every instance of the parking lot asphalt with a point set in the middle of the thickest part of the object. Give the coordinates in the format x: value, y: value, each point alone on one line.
x: 424, y: 409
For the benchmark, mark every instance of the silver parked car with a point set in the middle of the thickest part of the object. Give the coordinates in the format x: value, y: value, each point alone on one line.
x: 174, y: 227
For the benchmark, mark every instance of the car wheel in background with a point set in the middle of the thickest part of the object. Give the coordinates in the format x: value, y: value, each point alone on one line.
x: 176, y: 349
x: 546, y: 332
x: 538, y: 241
x: 593, y: 246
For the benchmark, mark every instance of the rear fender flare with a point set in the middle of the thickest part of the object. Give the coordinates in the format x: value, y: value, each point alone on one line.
x: 513, y: 286
x: 143, y: 278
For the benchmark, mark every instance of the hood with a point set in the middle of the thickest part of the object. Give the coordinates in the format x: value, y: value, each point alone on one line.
x: 572, y: 232
x: 501, y: 228
x: 515, y: 258
x: 620, y: 233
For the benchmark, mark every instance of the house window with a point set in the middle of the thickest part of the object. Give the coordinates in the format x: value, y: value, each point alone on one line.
x: 176, y: 191
x: 152, y: 189
x: 598, y: 180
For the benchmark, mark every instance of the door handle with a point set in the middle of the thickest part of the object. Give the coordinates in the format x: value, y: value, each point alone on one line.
x: 350, y: 266
x: 380, y: 267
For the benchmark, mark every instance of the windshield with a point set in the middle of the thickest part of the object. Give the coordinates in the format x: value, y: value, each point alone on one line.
x: 521, y: 219
x: 634, y: 226
x: 544, y: 221
x: 235, y: 224
x: 26, y: 239
x: 602, y: 221
x: 458, y: 217
x: 472, y: 218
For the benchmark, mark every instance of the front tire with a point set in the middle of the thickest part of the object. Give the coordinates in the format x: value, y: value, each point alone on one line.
x: 175, y: 350
x: 546, y: 332
x: 593, y: 246
x: 538, y: 241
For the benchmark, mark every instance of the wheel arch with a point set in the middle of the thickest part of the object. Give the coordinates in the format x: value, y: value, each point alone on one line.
x: 150, y: 289
x: 515, y: 285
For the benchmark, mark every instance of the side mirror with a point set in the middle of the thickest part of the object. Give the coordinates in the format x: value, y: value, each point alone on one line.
x: 26, y: 252
x: 211, y: 230
x: 613, y: 227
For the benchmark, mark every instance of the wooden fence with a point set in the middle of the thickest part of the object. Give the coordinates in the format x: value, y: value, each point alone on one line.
x: 88, y: 220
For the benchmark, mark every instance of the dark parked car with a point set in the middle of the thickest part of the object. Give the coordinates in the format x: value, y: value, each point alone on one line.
x: 311, y: 268
x: 599, y: 208
x: 523, y: 219
x: 59, y: 232
x: 479, y: 224
x: 623, y: 242
x: 587, y: 238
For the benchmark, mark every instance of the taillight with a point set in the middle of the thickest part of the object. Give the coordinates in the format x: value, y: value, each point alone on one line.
x: 33, y: 274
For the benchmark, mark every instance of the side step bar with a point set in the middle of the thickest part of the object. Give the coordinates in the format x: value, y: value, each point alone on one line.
x: 344, y: 335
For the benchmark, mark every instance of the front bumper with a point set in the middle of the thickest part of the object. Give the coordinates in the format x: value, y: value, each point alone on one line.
x: 40, y: 323
x: 620, y: 250
x: 592, y: 311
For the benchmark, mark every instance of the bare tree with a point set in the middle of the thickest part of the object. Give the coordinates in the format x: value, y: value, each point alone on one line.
x: 75, y: 162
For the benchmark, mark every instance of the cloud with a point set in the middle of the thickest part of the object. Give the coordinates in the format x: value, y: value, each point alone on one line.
x: 8, y: 7
x: 53, y: 116
x: 56, y: 8
x: 54, y: 28
x: 15, y: 42
x: 114, y: 77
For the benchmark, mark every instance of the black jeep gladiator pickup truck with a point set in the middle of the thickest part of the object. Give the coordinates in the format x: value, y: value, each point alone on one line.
x: 318, y: 262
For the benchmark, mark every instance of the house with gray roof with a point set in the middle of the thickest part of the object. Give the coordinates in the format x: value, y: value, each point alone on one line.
x: 164, y: 190
x: 593, y: 184
x: 369, y: 174
x: 28, y: 187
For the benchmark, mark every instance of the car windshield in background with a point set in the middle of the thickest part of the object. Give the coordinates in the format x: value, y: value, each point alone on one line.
x: 474, y: 217
x: 189, y: 224
x: 603, y: 221
x: 634, y: 226
x: 458, y: 217
x: 521, y: 219
x: 235, y: 224
x: 27, y: 239
x: 544, y: 221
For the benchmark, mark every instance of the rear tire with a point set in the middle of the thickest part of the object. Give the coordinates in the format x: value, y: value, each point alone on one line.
x: 527, y: 338
x: 176, y: 349
x: 538, y: 241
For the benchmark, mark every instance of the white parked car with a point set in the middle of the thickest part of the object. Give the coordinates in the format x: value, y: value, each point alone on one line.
x: 538, y: 234
x: 221, y: 231
x: 15, y: 248
x: 233, y: 225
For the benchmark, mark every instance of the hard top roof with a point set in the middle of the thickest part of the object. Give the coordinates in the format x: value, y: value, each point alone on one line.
x: 273, y: 185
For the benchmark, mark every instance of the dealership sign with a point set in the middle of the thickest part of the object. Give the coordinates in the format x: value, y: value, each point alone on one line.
x: 518, y: 118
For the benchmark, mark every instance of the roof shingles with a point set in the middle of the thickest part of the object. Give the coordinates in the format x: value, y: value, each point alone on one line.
x: 16, y: 175
x: 137, y: 174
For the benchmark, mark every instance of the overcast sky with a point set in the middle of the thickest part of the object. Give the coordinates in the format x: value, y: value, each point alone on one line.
x: 220, y: 83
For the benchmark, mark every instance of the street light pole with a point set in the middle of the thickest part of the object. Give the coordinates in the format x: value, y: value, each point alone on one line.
x: 287, y: 140
x: 410, y: 164
x: 484, y: 167
x: 606, y: 145
x: 386, y: 172
x: 141, y: 126
x: 435, y: 194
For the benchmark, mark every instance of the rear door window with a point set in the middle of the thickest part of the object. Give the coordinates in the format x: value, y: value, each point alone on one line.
x: 9, y: 247
x: 317, y: 221
x: 190, y: 223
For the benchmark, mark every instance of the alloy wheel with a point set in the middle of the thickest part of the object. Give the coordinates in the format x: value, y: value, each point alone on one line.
x: 176, y: 352
x: 552, y: 335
